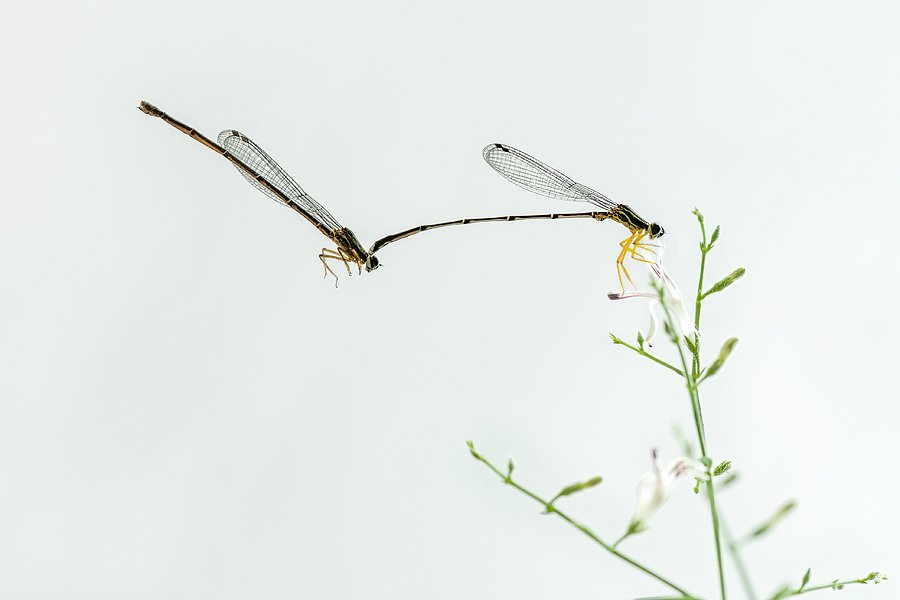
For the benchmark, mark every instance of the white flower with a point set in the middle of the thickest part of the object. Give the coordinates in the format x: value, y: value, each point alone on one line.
x: 672, y: 297
x: 655, y: 489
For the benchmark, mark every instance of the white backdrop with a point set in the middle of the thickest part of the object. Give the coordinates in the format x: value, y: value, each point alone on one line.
x: 190, y: 411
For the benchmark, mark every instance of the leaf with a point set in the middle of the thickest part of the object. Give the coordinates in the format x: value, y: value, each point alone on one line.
x: 614, y: 339
x: 696, y: 212
x: 577, y: 487
x: 805, y: 580
x: 640, y: 340
x: 670, y: 332
x: 724, y: 353
x: 729, y: 479
x: 471, y: 446
x: 712, y: 240
x: 691, y: 346
x: 722, y: 468
x: 510, y: 467
x: 686, y: 448
x: 780, y: 513
x: 725, y: 282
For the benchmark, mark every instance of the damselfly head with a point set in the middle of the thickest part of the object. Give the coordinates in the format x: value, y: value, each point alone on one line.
x: 372, y: 263
x: 656, y: 230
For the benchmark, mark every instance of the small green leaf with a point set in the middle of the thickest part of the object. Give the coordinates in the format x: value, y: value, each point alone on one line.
x: 780, y: 513
x: 724, y: 353
x: 725, y: 282
x: 696, y: 212
x: 670, y: 332
x: 614, y: 339
x: 875, y: 577
x: 640, y: 340
x: 577, y: 487
x: 712, y: 240
x: 805, y: 580
x: 686, y: 448
x: 722, y: 468
x: 471, y: 446
x: 729, y: 479
x: 837, y: 586
x: 510, y: 467
x: 691, y: 346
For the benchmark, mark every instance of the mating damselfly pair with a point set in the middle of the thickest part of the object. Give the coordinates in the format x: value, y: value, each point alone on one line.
x: 520, y: 168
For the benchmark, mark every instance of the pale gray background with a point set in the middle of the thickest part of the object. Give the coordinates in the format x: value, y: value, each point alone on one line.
x: 190, y: 411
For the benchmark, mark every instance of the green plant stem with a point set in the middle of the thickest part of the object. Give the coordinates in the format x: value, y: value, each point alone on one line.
x: 824, y: 586
x: 701, y: 439
x: 550, y: 508
x: 650, y: 356
x: 738, y: 560
x: 704, y: 250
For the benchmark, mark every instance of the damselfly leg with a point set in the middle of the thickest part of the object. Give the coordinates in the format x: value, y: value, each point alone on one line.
x: 620, y: 260
x: 340, y: 256
x: 637, y: 246
x: 632, y: 245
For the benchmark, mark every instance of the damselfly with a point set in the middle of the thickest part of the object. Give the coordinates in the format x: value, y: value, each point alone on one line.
x: 528, y: 172
x: 265, y: 174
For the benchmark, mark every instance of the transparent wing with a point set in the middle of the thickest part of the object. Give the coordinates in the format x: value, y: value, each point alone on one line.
x: 245, y: 150
x: 528, y: 172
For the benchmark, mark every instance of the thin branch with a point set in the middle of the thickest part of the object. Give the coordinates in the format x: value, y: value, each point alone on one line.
x: 642, y: 352
x: 551, y: 509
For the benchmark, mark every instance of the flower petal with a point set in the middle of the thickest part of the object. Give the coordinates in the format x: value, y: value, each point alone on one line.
x: 654, y: 323
x: 655, y: 488
x: 626, y: 295
x: 673, y: 299
x: 682, y: 467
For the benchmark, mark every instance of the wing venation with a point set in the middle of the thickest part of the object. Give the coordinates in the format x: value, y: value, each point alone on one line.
x: 531, y: 174
x: 249, y: 153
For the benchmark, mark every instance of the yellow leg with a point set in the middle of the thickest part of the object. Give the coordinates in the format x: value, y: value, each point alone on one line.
x: 627, y: 276
x: 647, y: 247
x: 639, y: 258
x: 639, y: 245
x: 620, y: 267
x: 642, y: 248
x: 632, y: 245
x: 636, y: 243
